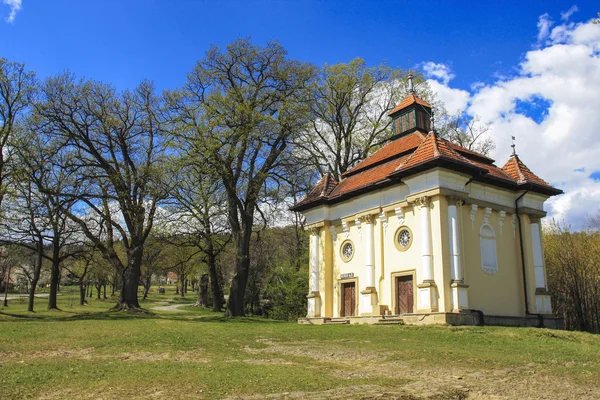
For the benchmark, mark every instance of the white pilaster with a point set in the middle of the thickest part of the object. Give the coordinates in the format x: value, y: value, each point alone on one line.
x: 369, y: 294
x: 314, y: 298
x: 427, y: 299
x: 458, y: 288
x: 542, y: 296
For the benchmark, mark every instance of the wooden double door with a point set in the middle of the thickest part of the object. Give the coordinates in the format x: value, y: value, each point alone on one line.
x: 404, y: 294
x: 348, y: 299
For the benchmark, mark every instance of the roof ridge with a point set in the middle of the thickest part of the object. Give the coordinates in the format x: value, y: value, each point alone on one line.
x: 521, y: 175
x: 326, y: 184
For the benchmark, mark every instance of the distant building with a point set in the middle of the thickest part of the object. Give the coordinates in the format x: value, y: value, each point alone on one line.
x: 171, y: 277
x: 430, y: 232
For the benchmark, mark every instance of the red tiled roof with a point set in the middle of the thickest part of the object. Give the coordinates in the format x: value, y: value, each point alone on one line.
x: 461, y: 149
x: 413, y: 153
x: 518, y: 171
x: 390, y: 150
x: 322, y: 189
x: 408, y: 101
x: 367, y: 177
x: 432, y: 148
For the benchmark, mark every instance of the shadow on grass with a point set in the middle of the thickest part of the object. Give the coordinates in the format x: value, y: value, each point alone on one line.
x: 115, y: 315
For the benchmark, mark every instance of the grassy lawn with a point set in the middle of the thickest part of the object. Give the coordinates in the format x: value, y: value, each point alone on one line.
x: 88, y: 352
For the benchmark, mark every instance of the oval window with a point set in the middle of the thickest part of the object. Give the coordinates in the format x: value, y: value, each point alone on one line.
x: 347, y: 250
x: 403, y: 238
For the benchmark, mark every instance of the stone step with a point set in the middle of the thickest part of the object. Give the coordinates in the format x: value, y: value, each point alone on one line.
x: 390, y: 321
x: 337, y: 321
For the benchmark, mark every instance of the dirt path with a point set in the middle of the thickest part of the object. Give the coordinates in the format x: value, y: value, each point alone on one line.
x: 172, y: 307
x: 525, y: 382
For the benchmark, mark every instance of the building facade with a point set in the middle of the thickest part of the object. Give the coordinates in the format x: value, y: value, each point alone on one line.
x: 429, y: 232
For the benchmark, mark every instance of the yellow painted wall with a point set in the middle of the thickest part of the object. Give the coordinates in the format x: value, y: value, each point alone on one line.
x: 501, y: 293
x: 497, y: 294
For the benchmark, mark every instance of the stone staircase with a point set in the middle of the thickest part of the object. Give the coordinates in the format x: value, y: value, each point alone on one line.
x: 390, y: 320
x: 336, y: 321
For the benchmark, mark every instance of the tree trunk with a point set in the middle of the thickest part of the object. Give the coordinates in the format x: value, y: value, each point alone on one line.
x: 6, y: 288
x: 105, y: 283
x: 235, y: 305
x: 98, y: 288
x: 182, y: 285
x: 147, y: 284
x: 82, y: 291
x: 215, y: 283
x: 203, y: 291
x: 37, y: 269
x: 54, y: 272
x: 128, y: 298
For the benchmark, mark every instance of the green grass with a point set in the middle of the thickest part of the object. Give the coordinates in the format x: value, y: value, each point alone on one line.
x: 89, y: 351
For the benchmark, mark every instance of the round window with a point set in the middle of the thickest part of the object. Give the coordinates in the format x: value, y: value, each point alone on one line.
x: 403, y: 238
x: 347, y: 250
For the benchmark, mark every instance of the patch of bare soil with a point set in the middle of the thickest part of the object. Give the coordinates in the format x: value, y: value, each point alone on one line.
x: 109, y: 393
x: 89, y: 354
x: 426, y: 381
x: 172, y: 307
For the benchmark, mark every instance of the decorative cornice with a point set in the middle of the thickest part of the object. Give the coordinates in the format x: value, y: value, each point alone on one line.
x: 400, y: 215
x: 501, y: 216
x: 486, y: 215
x: 383, y: 220
x: 422, y: 202
x: 472, y: 214
x: 345, y: 229
x: 367, y: 219
x: 357, y: 222
x: 333, y: 233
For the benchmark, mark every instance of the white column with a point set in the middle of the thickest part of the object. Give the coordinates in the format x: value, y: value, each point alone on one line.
x: 454, y: 242
x: 427, y: 298
x: 542, y: 296
x: 314, y: 298
x: 458, y: 288
x: 426, y: 256
x: 538, y: 260
x: 369, y: 252
x: 368, y: 297
x: 314, y: 259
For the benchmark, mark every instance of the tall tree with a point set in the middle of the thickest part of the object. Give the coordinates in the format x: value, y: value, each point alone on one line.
x: 349, y: 117
x: 199, y: 202
x: 466, y: 131
x: 242, y: 106
x: 112, y: 147
x: 17, y: 87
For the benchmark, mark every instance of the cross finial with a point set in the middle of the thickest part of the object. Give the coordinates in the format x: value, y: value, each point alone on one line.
x: 513, y: 145
x: 411, y: 88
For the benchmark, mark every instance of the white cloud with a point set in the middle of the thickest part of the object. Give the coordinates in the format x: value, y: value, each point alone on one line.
x: 15, y: 6
x: 455, y: 100
x: 544, y: 24
x: 565, y: 15
x: 440, y: 72
x: 561, y: 146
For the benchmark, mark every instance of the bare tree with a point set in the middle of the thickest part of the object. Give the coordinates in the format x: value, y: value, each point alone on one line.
x: 349, y: 118
x: 112, y: 147
x: 17, y: 87
x: 241, y: 106
x: 199, y: 204
x: 467, y: 131
x: 573, y: 268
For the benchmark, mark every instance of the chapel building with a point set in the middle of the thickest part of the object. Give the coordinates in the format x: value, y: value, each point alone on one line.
x: 426, y: 231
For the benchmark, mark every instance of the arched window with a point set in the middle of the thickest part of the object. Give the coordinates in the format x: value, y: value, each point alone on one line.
x: 487, y: 241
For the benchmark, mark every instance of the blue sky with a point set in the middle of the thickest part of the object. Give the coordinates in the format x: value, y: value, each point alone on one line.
x: 124, y: 42
x: 527, y: 68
